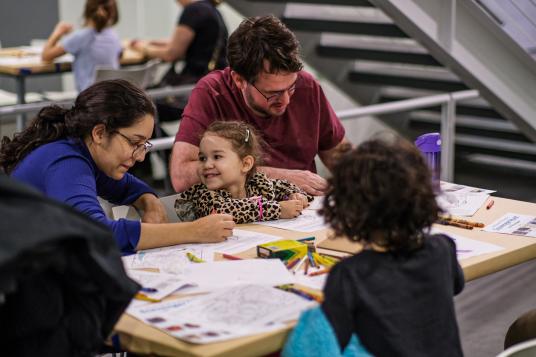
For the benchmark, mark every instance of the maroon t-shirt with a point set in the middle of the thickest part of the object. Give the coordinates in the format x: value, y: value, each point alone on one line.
x: 309, y: 124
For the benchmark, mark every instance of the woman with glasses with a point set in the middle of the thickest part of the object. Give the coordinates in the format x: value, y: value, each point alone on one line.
x: 78, y: 154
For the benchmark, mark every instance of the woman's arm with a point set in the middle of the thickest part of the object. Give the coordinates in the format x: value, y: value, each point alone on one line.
x: 153, y: 209
x: 52, y: 49
x: 173, y: 50
x: 211, y: 229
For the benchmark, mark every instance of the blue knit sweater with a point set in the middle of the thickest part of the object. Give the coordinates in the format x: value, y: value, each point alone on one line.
x: 64, y: 170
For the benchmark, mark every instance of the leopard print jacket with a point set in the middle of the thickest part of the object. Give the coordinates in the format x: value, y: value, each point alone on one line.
x: 198, y: 201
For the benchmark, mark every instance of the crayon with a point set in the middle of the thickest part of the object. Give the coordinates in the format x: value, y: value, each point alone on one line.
x: 231, y: 257
x: 292, y: 263
x: 139, y: 296
x: 311, y: 260
x: 454, y: 224
x: 490, y: 204
x: 319, y: 272
x: 306, y: 267
x: 299, y: 265
x: 193, y: 258
x: 462, y: 221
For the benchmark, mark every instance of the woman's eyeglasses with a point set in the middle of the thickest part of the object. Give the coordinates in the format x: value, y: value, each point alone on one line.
x: 139, y: 149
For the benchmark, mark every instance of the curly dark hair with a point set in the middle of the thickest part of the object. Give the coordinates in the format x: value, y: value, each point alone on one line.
x: 103, y: 13
x: 263, y: 38
x: 114, y: 103
x: 244, y: 139
x: 381, y: 192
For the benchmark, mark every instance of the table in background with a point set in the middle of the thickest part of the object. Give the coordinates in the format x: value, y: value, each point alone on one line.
x: 30, y: 64
x: 138, y: 337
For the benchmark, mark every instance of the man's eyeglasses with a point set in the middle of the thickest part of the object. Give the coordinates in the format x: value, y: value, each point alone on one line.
x: 272, y: 98
x: 139, y: 149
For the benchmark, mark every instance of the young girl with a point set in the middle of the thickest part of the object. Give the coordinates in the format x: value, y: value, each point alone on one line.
x: 229, y: 153
x: 94, y: 45
x: 396, y: 295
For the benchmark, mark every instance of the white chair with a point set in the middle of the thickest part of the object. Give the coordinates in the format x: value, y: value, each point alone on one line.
x: 524, y: 349
x: 142, y: 75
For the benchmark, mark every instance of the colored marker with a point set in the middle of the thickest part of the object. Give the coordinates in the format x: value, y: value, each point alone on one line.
x: 149, y: 290
x: 193, y: 258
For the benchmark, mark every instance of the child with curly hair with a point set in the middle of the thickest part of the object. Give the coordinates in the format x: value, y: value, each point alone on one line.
x: 396, y: 295
x: 229, y: 153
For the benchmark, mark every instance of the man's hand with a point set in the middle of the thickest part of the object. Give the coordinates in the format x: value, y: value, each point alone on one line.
x: 308, y: 181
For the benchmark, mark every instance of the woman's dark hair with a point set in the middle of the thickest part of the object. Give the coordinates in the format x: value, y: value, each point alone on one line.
x: 114, y: 103
x: 263, y: 38
x: 383, y: 186
x: 244, y: 139
x: 102, y: 13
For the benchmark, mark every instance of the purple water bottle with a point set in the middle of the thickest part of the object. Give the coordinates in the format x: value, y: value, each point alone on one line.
x: 430, y: 146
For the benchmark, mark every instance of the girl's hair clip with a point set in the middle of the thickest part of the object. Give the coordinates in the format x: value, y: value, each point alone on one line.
x: 247, y: 136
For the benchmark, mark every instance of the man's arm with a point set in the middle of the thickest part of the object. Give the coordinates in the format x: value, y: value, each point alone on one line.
x: 183, y: 166
x: 308, y: 181
x: 330, y: 157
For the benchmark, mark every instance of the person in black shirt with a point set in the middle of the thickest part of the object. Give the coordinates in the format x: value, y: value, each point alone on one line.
x: 200, y: 39
x: 396, y: 295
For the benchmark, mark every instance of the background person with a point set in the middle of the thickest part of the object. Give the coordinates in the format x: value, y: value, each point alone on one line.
x: 265, y: 87
x: 229, y: 153
x: 96, y: 44
x: 200, y: 39
x: 78, y: 154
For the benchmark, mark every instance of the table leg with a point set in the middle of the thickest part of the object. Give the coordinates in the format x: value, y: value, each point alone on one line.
x: 21, y: 92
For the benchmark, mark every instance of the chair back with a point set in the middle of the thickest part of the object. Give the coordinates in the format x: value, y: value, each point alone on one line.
x: 142, y: 75
x: 524, y: 349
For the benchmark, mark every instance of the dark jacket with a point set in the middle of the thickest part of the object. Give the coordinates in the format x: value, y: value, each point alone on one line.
x: 62, y: 283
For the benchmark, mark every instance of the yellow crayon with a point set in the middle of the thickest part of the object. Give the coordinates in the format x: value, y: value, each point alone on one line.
x: 193, y: 258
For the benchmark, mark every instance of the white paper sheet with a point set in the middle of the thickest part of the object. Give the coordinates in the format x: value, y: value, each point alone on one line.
x: 461, y: 200
x: 173, y: 259
x: 467, y: 248
x: 516, y: 224
x: 230, y: 313
x: 163, y: 284
x: 216, y: 275
x: 308, y: 221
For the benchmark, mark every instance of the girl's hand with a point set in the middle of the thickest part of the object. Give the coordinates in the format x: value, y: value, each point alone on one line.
x: 290, y: 208
x: 300, y: 197
x: 214, y: 228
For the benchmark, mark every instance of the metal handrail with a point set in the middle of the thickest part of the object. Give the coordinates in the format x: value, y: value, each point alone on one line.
x: 156, y: 93
x: 447, y: 101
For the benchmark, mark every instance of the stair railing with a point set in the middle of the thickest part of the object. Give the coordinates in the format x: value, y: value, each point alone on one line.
x: 447, y: 101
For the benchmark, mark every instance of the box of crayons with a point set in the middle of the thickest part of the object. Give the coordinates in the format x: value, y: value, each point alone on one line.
x: 282, y: 249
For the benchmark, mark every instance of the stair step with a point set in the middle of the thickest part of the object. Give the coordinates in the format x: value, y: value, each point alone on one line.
x: 343, y: 27
x: 375, y: 48
x: 470, y: 144
x: 481, y: 123
x: 423, y: 126
x: 491, y: 160
x: 412, y: 76
x: 362, y: 3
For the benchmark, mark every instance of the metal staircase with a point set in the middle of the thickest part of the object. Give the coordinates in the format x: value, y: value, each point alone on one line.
x: 361, y: 49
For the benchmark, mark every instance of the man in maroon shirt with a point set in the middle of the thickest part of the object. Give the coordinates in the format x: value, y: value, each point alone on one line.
x: 266, y: 87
